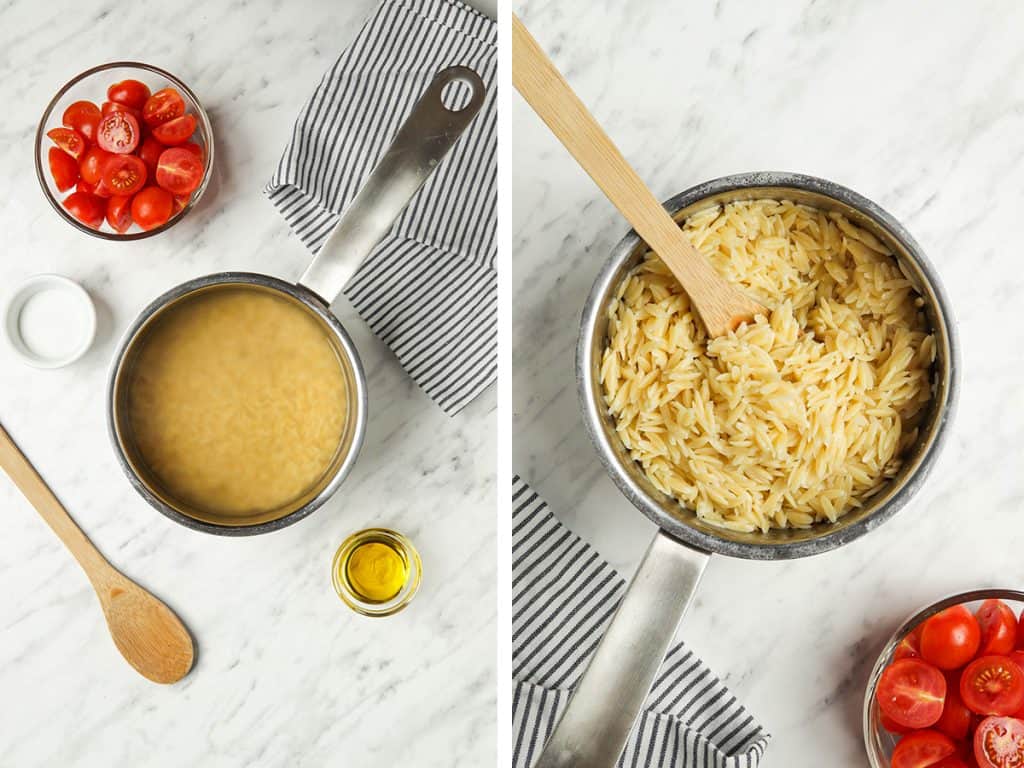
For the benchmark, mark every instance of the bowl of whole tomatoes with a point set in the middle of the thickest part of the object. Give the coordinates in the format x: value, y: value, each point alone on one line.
x: 947, y: 690
x: 124, y: 151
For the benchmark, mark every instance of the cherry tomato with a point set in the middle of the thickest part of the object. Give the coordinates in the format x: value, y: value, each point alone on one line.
x: 998, y: 628
x: 179, y: 171
x: 891, y: 725
x: 110, y: 107
x: 162, y: 106
x: 955, y: 721
x: 992, y: 685
x: 129, y: 92
x: 1020, y: 631
x: 194, y: 148
x: 87, y: 208
x: 150, y: 151
x: 119, y: 212
x: 180, y: 201
x: 85, y: 186
x: 124, y: 174
x: 953, y: 761
x: 152, y: 207
x: 63, y: 169
x: 91, y: 165
x: 910, y: 645
x: 921, y: 749
x: 999, y: 743
x: 911, y: 692
x: 118, y: 133
x: 176, y: 131
x: 950, y: 638
x: 83, y: 116
x: 68, y: 139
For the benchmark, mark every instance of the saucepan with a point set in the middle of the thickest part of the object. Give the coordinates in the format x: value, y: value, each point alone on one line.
x: 597, y: 721
x: 428, y: 133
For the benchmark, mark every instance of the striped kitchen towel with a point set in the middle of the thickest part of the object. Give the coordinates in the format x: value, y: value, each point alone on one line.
x: 429, y: 290
x: 563, y: 596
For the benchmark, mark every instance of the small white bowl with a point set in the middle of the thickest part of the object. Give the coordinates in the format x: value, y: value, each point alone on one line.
x: 44, y: 311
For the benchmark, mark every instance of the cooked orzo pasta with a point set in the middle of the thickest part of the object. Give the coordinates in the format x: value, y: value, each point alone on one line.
x: 792, y: 419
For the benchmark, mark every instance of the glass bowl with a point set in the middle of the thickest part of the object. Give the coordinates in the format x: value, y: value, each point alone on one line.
x: 878, y: 742
x: 347, y: 588
x: 92, y: 85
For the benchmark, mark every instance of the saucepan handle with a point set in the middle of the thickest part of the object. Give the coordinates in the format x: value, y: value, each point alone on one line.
x: 596, y: 723
x: 421, y: 143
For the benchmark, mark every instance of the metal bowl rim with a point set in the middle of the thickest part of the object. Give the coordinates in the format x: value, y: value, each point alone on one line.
x: 592, y: 419
x: 359, y: 399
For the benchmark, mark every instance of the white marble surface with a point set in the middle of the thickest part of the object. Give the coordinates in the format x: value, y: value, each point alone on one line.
x: 917, y: 106
x: 286, y: 675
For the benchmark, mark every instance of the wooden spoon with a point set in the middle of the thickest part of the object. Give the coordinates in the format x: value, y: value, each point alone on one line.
x: 146, y: 632
x: 721, y: 306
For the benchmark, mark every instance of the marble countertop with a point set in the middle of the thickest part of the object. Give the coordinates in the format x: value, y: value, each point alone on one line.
x: 286, y: 675
x: 918, y: 107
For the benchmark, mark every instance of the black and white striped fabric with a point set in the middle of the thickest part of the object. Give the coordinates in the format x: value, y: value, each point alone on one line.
x: 563, y: 596
x: 429, y: 290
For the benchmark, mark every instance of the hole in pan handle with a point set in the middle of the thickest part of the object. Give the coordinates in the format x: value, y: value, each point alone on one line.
x: 430, y: 130
x: 596, y: 723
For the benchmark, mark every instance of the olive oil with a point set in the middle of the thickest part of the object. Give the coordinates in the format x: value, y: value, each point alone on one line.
x: 376, y: 571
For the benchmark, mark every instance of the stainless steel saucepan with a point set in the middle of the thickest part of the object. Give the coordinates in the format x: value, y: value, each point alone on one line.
x: 597, y: 721
x: 423, y: 140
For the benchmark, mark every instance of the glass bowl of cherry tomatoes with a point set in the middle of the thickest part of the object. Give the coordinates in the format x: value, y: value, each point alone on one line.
x: 947, y: 690
x: 124, y: 151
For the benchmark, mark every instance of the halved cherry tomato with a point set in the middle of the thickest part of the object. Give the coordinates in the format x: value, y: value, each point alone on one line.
x: 955, y: 721
x: 950, y: 638
x: 911, y: 692
x: 118, y: 132
x: 999, y: 743
x: 891, y: 725
x: 129, y: 92
x: 992, y: 685
x: 953, y: 761
x: 176, y: 131
x: 68, y: 139
x: 179, y: 171
x: 83, y: 116
x: 124, y: 174
x: 910, y: 645
x: 87, y: 208
x: 162, y: 106
x: 194, y: 148
x: 91, y: 165
x: 63, y: 168
x: 150, y: 152
x: 113, y: 106
x: 998, y: 628
x: 921, y: 749
x: 152, y: 207
x: 119, y: 212
x: 85, y: 186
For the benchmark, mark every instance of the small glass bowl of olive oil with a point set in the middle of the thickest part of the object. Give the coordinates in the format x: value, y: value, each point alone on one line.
x: 376, y: 572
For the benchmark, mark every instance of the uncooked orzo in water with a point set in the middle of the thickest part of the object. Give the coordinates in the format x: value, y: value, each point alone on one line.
x: 792, y: 419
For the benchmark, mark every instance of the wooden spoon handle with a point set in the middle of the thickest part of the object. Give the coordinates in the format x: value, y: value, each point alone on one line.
x: 544, y: 88
x: 35, y: 489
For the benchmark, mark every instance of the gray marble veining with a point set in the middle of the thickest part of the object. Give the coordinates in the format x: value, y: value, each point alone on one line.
x: 286, y: 675
x: 918, y: 107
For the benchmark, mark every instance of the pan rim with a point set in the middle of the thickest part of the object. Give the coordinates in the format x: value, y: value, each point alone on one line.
x: 593, y: 418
